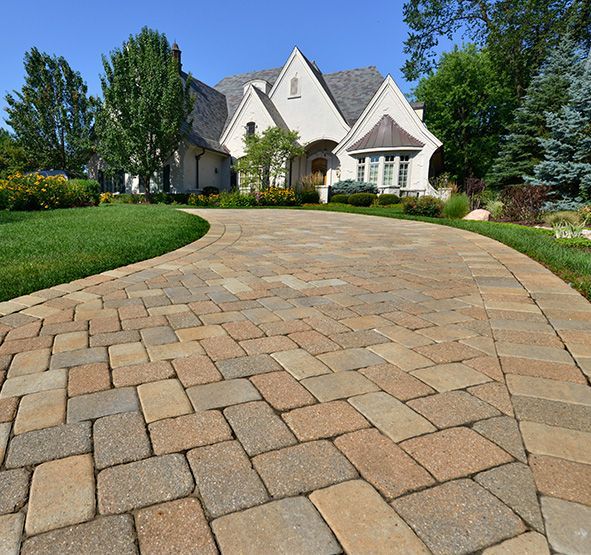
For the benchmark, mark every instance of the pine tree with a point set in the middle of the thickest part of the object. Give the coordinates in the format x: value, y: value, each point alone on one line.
x: 548, y: 91
x: 567, y: 151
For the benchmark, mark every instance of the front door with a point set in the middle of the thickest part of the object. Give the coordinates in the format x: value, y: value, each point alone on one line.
x: 320, y: 166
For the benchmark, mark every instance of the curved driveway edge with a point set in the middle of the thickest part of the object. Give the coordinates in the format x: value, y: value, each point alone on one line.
x: 300, y: 382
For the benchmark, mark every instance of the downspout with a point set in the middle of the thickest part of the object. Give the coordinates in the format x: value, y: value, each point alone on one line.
x: 197, y: 156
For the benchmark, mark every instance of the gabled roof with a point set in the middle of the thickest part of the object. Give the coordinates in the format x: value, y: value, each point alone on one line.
x: 208, y: 116
x: 350, y: 90
x: 386, y: 133
x: 270, y: 107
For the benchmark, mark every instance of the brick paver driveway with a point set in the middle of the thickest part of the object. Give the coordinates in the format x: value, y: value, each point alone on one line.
x: 300, y: 382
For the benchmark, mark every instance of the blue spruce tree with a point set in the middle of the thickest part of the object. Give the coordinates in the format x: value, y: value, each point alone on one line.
x: 567, y: 151
x: 548, y: 91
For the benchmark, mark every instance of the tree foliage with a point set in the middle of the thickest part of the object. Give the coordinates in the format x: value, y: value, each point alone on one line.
x: 517, y: 34
x: 52, y: 116
x: 145, y: 106
x: 465, y: 107
x: 13, y: 157
x: 567, y: 150
x: 548, y: 91
x: 266, y: 158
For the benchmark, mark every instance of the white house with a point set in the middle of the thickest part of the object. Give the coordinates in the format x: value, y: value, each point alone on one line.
x: 354, y: 124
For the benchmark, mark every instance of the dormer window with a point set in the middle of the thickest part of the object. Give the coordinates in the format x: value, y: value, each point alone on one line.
x: 294, y: 87
x: 251, y: 128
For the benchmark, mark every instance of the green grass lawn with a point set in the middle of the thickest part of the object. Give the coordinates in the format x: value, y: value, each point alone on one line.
x: 41, y: 249
x: 571, y: 263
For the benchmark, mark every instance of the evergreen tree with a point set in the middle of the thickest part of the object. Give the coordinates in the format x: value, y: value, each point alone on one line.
x: 567, y: 151
x: 548, y: 91
x: 52, y: 116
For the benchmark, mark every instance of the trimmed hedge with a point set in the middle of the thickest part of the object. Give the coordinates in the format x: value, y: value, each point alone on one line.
x: 340, y: 198
x: 423, y: 206
x: 362, y: 199
x: 350, y: 186
x: 309, y: 197
x: 386, y: 199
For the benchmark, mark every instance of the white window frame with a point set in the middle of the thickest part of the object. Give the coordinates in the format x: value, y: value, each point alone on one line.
x: 390, y: 160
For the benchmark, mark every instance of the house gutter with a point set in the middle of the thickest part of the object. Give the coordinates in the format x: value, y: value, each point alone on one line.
x: 197, y: 157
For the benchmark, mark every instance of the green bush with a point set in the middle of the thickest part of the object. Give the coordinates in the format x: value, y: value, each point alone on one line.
x: 127, y: 198
x: 362, y: 199
x: 85, y: 192
x: 234, y: 199
x: 422, y: 206
x: 340, y: 198
x: 387, y: 199
x: 495, y: 207
x: 350, y: 186
x: 309, y: 197
x: 456, y: 206
x: 563, y: 215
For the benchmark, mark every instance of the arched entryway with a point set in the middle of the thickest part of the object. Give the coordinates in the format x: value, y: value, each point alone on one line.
x: 319, y: 169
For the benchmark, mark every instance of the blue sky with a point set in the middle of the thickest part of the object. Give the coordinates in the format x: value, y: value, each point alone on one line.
x: 217, y: 38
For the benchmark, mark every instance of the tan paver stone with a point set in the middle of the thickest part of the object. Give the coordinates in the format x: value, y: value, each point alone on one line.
x: 560, y: 478
x: 114, y: 338
x: 29, y: 362
x: 451, y: 351
x: 447, y: 377
x: 300, y: 364
x: 339, y: 385
x: 14, y: 486
x: 503, y: 431
x: 514, y: 485
x: 284, y: 526
x: 127, y: 354
x: 454, y: 453
x: 163, y: 399
x: 553, y: 441
x: 142, y: 323
x: 400, y: 356
x: 553, y: 413
x: 360, y: 338
x: 222, y: 394
x: 113, y: 534
x: 221, y: 347
x: 25, y: 345
x: 4, y: 435
x: 495, y: 394
x: 303, y: 468
x: 120, y: 438
x: 452, y: 408
x: 282, y: 391
x: 530, y: 543
x: 32, y: 383
x: 324, y: 420
x: 268, y: 345
x: 88, y: 378
x: 390, y: 416
x: 11, y: 527
x: 382, y: 463
x: 243, y: 330
x: 487, y: 365
x: 196, y: 370
x: 102, y: 403
x: 159, y: 335
x: 176, y: 527
x: 365, y: 322
x: 62, y: 493
x: 568, y: 525
x: 313, y: 342
x: 350, y: 359
x: 258, y: 428
x: 363, y: 522
x: 8, y: 408
x: 71, y: 341
x: 396, y: 382
x: 171, y: 351
x: 284, y: 327
x: 41, y: 410
x: 444, y: 333
x: 551, y: 390
x: 550, y: 354
x: 188, y: 431
x: 404, y: 336
x: 138, y: 484
x: 542, y: 369
x: 137, y: 374
x: 200, y: 332
x: 225, y: 478
x: 79, y: 357
x: 104, y: 325
x: 458, y: 517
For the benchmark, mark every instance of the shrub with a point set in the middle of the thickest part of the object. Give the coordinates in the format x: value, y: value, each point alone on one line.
x: 362, y: 199
x: 585, y: 214
x: 564, y: 215
x: 309, y: 197
x: 340, y: 198
x: 106, y: 198
x: 523, y: 203
x: 423, y: 206
x: 564, y: 229
x: 209, y: 190
x: 386, y: 199
x: 274, y: 196
x: 127, y: 198
x: 36, y: 192
x: 234, y: 199
x: 350, y: 186
x: 495, y: 207
x: 457, y: 206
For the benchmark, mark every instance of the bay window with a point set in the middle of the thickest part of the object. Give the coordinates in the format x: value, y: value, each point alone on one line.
x: 386, y: 171
x: 374, y: 166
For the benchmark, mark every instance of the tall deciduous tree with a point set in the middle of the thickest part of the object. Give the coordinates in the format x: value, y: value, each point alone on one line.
x: 266, y: 158
x: 567, y: 151
x: 465, y: 105
x: 517, y: 34
x: 52, y: 115
x: 13, y: 157
x: 548, y: 91
x: 145, y: 106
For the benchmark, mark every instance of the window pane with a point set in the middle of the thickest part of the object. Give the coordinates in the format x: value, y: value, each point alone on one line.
x: 389, y: 162
x: 374, y: 164
x: 403, y: 171
x: 361, y: 169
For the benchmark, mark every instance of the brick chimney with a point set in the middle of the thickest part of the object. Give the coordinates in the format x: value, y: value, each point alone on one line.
x: 176, y: 54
